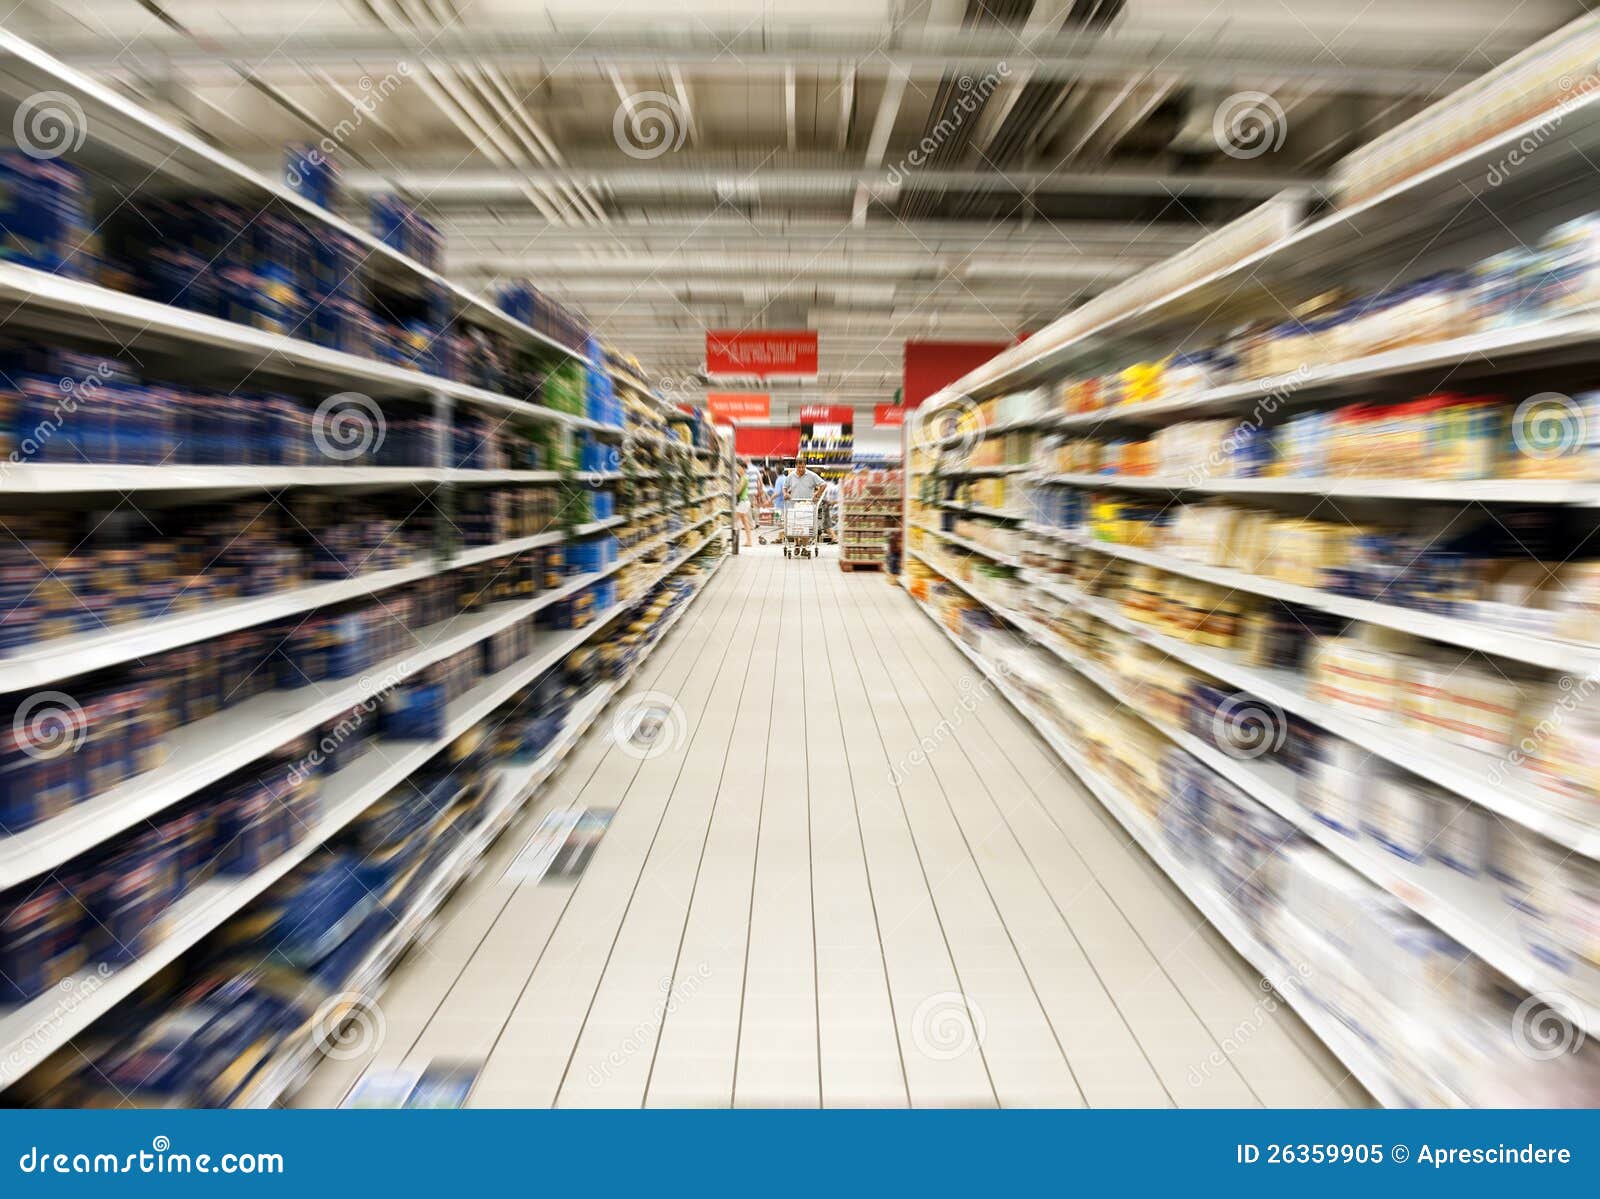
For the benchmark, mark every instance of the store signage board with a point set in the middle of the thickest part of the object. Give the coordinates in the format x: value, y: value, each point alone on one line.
x: 726, y: 407
x: 828, y: 414
x: 761, y: 352
x: 888, y: 415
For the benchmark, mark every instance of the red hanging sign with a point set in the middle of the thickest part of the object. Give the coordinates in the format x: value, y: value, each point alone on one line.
x: 761, y: 352
x: 726, y: 407
x: 827, y: 414
x: 888, y: 415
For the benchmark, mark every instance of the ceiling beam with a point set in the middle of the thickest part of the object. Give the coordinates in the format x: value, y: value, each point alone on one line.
x: 1399, y: 66
x: 657, y: 178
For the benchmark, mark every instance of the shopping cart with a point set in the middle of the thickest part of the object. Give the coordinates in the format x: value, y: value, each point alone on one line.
x: 800, y: 529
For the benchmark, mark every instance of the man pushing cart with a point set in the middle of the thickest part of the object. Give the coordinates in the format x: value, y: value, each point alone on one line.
x: 801, y: 487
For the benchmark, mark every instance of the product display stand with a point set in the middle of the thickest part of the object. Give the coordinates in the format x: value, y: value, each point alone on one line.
x: 1124, y: 647
x: 569, y: 575
x: 869, y: 512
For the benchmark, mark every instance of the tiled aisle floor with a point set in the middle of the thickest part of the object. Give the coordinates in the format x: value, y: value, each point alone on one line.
x: 771, y: 919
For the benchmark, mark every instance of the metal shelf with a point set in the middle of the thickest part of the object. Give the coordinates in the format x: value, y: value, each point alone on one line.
x: 1568, y: 657
x: 1396, y: 223
x: 128, y: 141
x: 515, y: 788
x: 1364, y: 1064
x: 32, y: 1031
x: 39, y: 300
x: 1464, y: 491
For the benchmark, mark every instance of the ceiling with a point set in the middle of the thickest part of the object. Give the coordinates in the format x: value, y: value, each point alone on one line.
x: 876, y: 170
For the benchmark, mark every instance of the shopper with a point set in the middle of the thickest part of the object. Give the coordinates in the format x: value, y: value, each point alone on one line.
x: 803, y: 483
x: 828, y: 509
x: 741, y: 508
x: 780, y: 495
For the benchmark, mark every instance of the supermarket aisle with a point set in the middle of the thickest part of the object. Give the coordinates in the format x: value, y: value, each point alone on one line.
x: 772, y: 920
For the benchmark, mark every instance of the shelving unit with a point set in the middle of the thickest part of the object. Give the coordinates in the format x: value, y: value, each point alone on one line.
x: 124, y: 141
x: 1007, y: 576
x: 31, y: 1031
x: 517, y: 787
x: 870, y: 505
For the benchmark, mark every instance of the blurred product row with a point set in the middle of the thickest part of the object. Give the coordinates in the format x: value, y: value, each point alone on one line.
x: 269, y: 983
x: 1443, y: 1026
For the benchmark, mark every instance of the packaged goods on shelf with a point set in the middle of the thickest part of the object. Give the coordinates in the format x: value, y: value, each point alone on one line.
x: 526, y: 303
x: 1511, y: 571
x: 1550, y: 77
x: 45, y: 221
x: 272, y: 268
x: 1559, y: 276
x: 1384, y: 972
x: 398, y: 224
x: 312, y: 174
x: 869, y: 515
x: 1269, y: 222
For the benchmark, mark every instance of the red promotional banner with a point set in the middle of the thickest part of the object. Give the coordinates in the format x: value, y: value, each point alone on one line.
x: 761, y: 352
x: 726, y: 407
x: 766, y: 441
x: 888, y: 415
x: 930, y: 365
x: 827, y: 414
